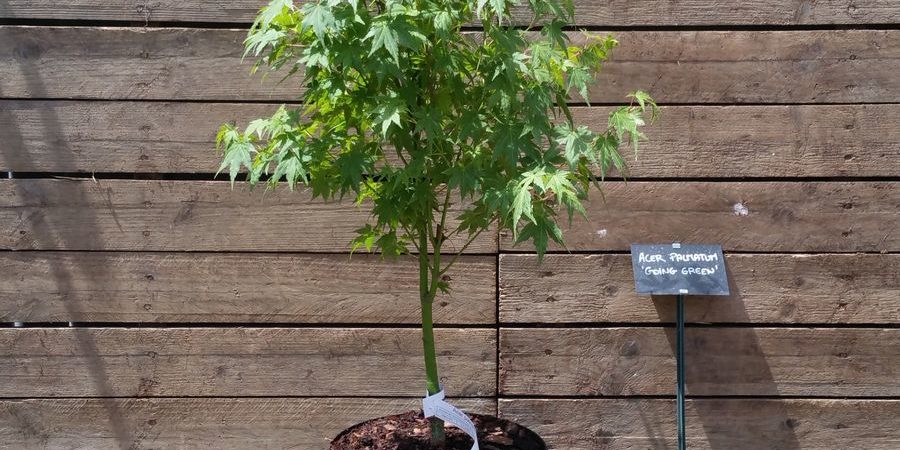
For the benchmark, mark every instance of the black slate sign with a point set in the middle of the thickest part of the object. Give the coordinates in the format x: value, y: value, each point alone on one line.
x: 672, y: 269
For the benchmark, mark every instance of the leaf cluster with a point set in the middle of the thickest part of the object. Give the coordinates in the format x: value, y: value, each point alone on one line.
x: 446, y: 132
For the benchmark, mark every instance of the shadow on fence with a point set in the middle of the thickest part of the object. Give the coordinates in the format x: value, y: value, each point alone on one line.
x: 723, y: 426
x: 38, y: 229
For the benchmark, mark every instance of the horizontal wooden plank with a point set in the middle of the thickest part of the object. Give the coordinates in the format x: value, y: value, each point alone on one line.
x: 746, y: 141
x: 795, y: 289
x: 104, y: 136
x: 166, y: 215
x: 192, y: 287
x: 739, y: 424
x: 588, y: 12
x: 182, y: 423
x: 720, y: 361
x: 749, y: 216
x: 151, y: 362
x: 850, y: 66
x: 764, y: 141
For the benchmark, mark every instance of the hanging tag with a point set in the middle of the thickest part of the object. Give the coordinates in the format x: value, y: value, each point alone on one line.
x: 435, y: 406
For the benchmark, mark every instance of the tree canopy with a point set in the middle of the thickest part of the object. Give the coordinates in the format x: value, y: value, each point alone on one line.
x: 406, y: 105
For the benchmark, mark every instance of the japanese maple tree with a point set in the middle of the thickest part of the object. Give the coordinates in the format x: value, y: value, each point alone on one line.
x: 444, y: 133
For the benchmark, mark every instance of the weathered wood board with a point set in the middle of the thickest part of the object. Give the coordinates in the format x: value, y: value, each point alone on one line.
x: 811, y: 289
x: 188, y: 423
x: 587, y: 12
x: 166, y: 362
x: 179, y: 216
x: 809, y: 66
x: 721, y: 361
x: 242, y: 288
x: 714, y: 424
x: 746, y: 141
x: 746, y: 216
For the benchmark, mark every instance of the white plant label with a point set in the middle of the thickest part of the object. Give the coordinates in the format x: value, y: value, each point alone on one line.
x: 435, y: 406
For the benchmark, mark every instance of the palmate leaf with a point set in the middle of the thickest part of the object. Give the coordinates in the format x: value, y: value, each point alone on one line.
x: 258, y: 41
x: 290, y: 168
x: 388, y: 113
x: 506, y: 143
x: 237, y: 151
x: 499, y: 7
x: 522, y: 204
x: 383, y: 36
x: 626, y: 121
x: 443, y: 22
x: 352, y: 166
x: 645, y: 101
x: 465, y: 178
x: 541, y: 231
x: 576, y: 142
x: 272, y: 11
x: 580, y: 78
x: 318, y: 17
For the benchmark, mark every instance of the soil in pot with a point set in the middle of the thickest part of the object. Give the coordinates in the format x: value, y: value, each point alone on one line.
x: 410, y: 431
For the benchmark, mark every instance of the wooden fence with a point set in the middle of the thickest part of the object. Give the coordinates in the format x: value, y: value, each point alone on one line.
x: 210, y: 318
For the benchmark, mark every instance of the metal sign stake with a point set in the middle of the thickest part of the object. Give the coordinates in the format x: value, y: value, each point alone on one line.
x: 680, y: 270
x: 679, y: 361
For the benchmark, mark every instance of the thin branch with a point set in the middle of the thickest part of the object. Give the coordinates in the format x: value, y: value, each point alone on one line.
x: 412, y: 238
x: 444, y: 212
x: 464, y: 247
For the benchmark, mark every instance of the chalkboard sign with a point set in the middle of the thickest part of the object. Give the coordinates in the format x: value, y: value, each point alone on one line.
x: 672, y: 269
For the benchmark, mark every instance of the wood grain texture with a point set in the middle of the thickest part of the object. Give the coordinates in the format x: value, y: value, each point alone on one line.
x: 170, y: 362
x: 813, y: 289
x: 179, y: 216
x: 713, y: 424
x: 746, y: 141
x: 105, y: 136
x: 184, y: 423
x: 764, y: 141
x: 588, y: 12
x: 749, y: 216
x: 255, y: 288
x: 850, y: 66
x: 721, y: 361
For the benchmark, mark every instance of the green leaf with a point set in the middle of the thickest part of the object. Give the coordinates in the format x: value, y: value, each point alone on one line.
x: 443, y: 22
x: 237, y: 155
x: 580, y: 78
x: 408, y: 36
x: 257, y: 40
x: 465, y: 177
x: 389, y: 113
x: 499, y: 7
x: 383, y: 36
x: 554, y: 33
x: 352, y: 165
x: 625, y: 121
x: 576, y: 142
x: 507, y: 143
x: 290, y: 167
x: 540, y: 232
x: 644, y: 100
x: 522, y: 206
x: 365, y: 237
x: 319, y: 18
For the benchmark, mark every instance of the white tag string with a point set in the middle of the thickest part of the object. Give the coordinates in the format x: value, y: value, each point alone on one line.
x: 435, y: 406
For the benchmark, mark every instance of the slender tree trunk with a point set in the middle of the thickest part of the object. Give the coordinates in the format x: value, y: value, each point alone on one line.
x: 426, y: 298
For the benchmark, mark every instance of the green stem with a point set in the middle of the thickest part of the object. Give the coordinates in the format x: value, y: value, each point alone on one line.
x: 426, y: 298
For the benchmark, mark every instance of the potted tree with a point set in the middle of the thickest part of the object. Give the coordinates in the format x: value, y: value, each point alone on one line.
x: 444, y: 133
